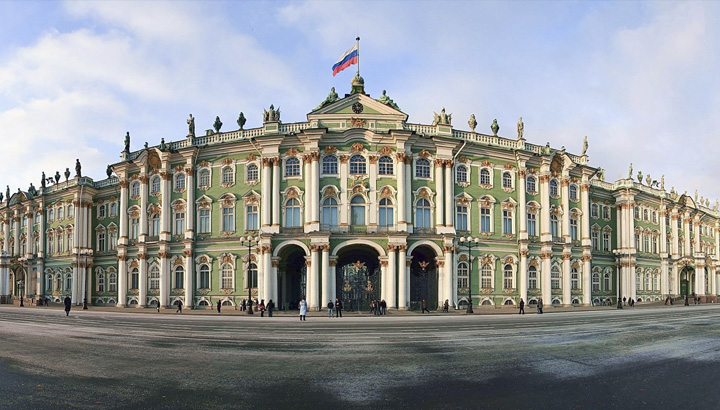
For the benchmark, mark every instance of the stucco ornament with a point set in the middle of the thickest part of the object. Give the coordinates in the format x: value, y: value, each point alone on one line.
x: 271, y: 115
x: 331, y: 98
x: 388, y: 101
x: 494, y: 127
x: 472, y: 122
x: 442, y: 118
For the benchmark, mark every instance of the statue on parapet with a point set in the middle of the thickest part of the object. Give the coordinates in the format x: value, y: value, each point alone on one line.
x: 217, y: 124
x: 191, y: 126
x: 442, y: 118
x: 601, y: 174
x: 163, y: 146
x: 108, y: 171
x: 521, y: 129
x: 57, y: 177
x: 78, y: 168
x: 662, y: 182
x: 42, y: 180
x: 331, y: 98
x: 630, y: 172
x: 1, y: 197
x: 241, y: 120
x: 271, y: 115
x: 547, y: 149
x: 472, y: 122
x: 494, y: 127
x: 127, y: 142
x: 32, y: 190
x: 7, y: 192
x: 648, y: 180
x: 639, y: 177
x: 67, y: 174
x: 585, y: 145
x: 386, y: 100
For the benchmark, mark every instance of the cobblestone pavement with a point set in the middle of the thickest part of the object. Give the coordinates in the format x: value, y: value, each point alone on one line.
x: 654, y: 357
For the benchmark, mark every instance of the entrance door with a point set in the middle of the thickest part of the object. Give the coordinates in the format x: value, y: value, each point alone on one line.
x: 357, y: 285
x: 293, y: 273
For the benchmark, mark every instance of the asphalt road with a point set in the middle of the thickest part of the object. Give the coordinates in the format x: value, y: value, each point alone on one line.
x: 664, y: 357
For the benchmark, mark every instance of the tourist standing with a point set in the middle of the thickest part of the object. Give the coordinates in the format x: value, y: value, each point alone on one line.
x: 338, y: 308
x: 522, y: 307
x: 330, y: 306
x: 270, y: 307
x: 261, y: 308
x: 243, y: 305
x: 179, y: 307
x: 540, y: 306
x: 687, y: 302
x: 424, y: 306
x: 383, y: 307
x: 157, y: 306
x: 249, y: 306
x: 446, y: 306
x: 68, y: 304
x: 303, y: 308
x: 219, y: 306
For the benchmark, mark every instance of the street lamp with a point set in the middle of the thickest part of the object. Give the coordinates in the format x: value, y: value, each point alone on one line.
x: 619, y: 298
x: 470, y: 242
x: 250, y: 241
x: 85, y: 253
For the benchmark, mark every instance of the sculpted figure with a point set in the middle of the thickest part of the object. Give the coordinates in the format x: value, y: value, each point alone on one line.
x: 67, y: 174
x: 630, y: 172
x: 585, y: 145
x: 601, y: 174
x: 57, y: 177
x: 191, y: 125
x: 547, y: 150
x: 648, y: 180
x: 108, y: 171
x: 521, y: 129
x: 241, y: 120
x: 78, y: 168
x: 662, y: 182
x: 7, y: 192
x: 1, y: 196
x: 163, y: 146
x: 385, y: 100
x: 639, y: 176
x: 127, y: 142
x: 42, y: 180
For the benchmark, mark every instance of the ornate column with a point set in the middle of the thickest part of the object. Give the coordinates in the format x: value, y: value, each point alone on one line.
x: 189, y: 277
x: 309, y: 188
x: 344, y: 220
x: 372, y: 194
x: 566, y: 285
x: 564, y: 190
x: 686, y: 233
x: 29, y: 242
x: 313, y: 282
x: 391, y: 298
x: 545, y: 235
x: 522, y: 273
x: 449, y: 194
x: 327, y: 294
x: 439, y: 194
x: 276, y: 195
x: 586, y: 242
x: 315, y: 193
x: 143, y: 208
x: 383, y: 277
x: 674, y: 242
x: 41, y: 243
x: 696, y: 232
x: 265, y: 191
x: 268, y: 280
x: 408, y: 197
x: 403, y: 277
x: 448, y: 276
x: 16, y: 234
x: 522, y: 206
x: 545, y: 289
x: 332, y: 267
x: 401, y: 188
x: 190, y: 199
x: 664, y: 280
x: 122, y: 210
x: 122, y: 278
x: 700, y: 273
x: 142, y: 261
x: 274, y: 266
x: 164, y: 255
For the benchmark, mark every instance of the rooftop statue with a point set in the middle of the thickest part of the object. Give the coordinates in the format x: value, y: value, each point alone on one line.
x: 42, y: 180
x: 547, y: 150
x: 385, y: 100
x: 78, y: 169
x: 662, y: 182
x: 108, y: 171
x: 630, y: 172
x: 7, y: 192
x: 67, y: 174
x: 442, y: 118
x: 241, y: 120
x: 217, y: 124
x: 1, y: 196
x: 521, y: 129
x: 648, y: 180
x: 494, y: 127
x: 127, y: 142
x: 57, y: 177
x: 472, y: 122
x: 191, y: 126
x: 696, y: 196
x: 163, y: 146
x: 585, y: 145
x: 32, y: 190
x: 331, y: 98
x: 146, y: 145
x: 639, y: 177
x: 271, y: 115
x: 601, y: 174
x: 715, y: 208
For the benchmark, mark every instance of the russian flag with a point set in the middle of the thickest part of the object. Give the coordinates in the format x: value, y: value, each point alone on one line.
x: 349, y: 58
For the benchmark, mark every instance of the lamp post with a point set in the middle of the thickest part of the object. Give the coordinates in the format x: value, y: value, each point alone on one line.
x: 470, y: 242
x: 250, y: 241
x: 619, y: 298
x: 85, y: 253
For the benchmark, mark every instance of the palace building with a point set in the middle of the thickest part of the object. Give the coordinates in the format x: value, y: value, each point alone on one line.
x: 355, y: 203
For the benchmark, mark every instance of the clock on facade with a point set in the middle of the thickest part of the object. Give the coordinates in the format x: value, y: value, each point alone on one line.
x: 357, y: 108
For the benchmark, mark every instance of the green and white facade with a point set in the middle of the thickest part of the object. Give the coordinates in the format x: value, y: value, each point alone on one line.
x: 355, y: 203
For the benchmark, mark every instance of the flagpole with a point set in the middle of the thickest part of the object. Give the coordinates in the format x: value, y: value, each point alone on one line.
x: 358, y: 53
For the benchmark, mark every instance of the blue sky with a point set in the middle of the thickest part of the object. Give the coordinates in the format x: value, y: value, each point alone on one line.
x: 638, y: 78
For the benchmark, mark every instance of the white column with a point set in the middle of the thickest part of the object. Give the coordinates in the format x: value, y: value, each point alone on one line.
x: 122, y: 278
x: 326, y: 279
x: 314, y: 284
x: 448, y: 277
x: 307, y: 177
x: 686, y: 232
x: 343, y: 191
x: 372, y: 195
x: 564, y: 190
x: 41, y: 244
x: 391, y: 298
x: 696, y: 230
x: 408, y: 197
x: 586, y: 242
x: 674, y: 242
x: 566, y: 291
x: 274, y: 272
x: 545, y: 280
x: 16, y: 235
x: 88, y: 284
x: 143, y: 209
x: 587, y: 301
x: 700, y: 280
x: 268, y: 279
x: 164, y: 278
x: 522, y: 275
x: 402, y: 278
x: 383, y: 277
x: 190, y: 199
x: 333, y: 280
x: 29, y: 242
x: 142, y: 302
x: 522, y: 210
x: 189, y: 276
x: 439, y: 194
x: 401, y: 188
x: 315, y: 193
x: 276, y: 193
x: 449, y: 195
x: 122, y: 209
x: 166, y: 211
x: 265, y: 192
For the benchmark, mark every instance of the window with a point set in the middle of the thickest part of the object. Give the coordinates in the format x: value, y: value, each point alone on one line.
x: 134, y: 279
x: 385, y: 166
x: 204, y: 282
x: 134, y: 228
x: 330, y: 212
x: 486, y: 276
x: 553, y: 187
x: 596, y: 282
x: 357, y: 210
x: 58, y: 283
x: 330, y: 165
x: 357, y: 164
x: 594, y: 211
x: 101, y: 282
x: 422, y: 214
x: 594, y: 238
x: 179, y: 277
x: 113, y: 240
x: 252, y: 277
x: 461, y: 217
x: 574, y: 279
x: 507, y: 222
x: 485, y: 220
x: 60, y: 242
x: 204, y: 219
x: 574, y: 229
x: 573, y: 192
x: 228, y: 176
x: 112, y: 282
x: 646, y: 243
x: 68, y: 281
x: 113, y: 209
x: 251, y: 217
x: 606, y: 212
x: 508, y: 282
x: 532, y: 277
x: 179, y: 222
x: 48, y: 283
x: 607, y: 285
x: 507, y: 180
x: 422, y: 168
x: 101, y: 211
x: 292, y: 213
x: 646, y: 215
x: 636, y: 212
x: 155, y: 185
x: 154, y: 278
x: 135, y: 189
x: 386, y: 213
x: 656, y: 282
x: 154, y: 225
x: 228, y: 219
x: 292, y: 167
x: 647, y: 282
x: 50, y: 247
x: 101, y: 242
x: 253, y: 174
x: 61, y: 212
x: 485, y: 176
x: 461, y: 174
x: 69, y: 237
x: 655, y: 218
x: 555, y: 277
x: 554, y: 226
x: 180, y: 182
x: 204, y: 178
x: 530, y: 184
x: 462, y: 275
x: 51, y: 215
x: 227, y: 276
x: 531, y: 224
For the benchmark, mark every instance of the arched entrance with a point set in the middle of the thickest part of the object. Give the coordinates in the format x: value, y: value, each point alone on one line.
x: 357, y: 277
x: 687, y: 281
x: 292, y: 277
x: 423, y: 278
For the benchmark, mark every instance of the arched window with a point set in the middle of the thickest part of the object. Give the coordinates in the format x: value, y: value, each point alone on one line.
x: 58, y: 283
x: 112, y: 282
x: 155, y: 185
x: 357, y: 164
x: 554, y: 226
x: 330, y: 165
x: 228, y: 219
x: 507, y: 222
x: 134, y: 228
x: 252, y: 277
x: 113, y: 209
x: 68, y: 282
x: 422, y: 214
x: 204, y: 178
x: 573, y: 228
x: 461, y: 217
x: 292, y: 167
x: 134, y: 278
x: 486, y: 276
x: 179, y: 277
x: 606, y: 241
x: 573, y: 192
x: 646, y: 215
x: 596, y: 282
x: 507, y: 180
x: 530, y: 184
x: 329, y: 212
x: 101, y: 242
x: 180, y: 181
x: 656, y: 282
x: 292, y: 213
x: 251, y: 216
x: 385, y: 166
x: 253, y: 174
x: 461, y: 174
x: 422, y: 168
x: 607, y: 279
x: 357, y: 210
x: 462, y: 275
x: 101, y: 211
x: 532, y: 224
x: 60, y: 213
x: 574, y: 279
x: 101, y: 282
x: 154, y: 278
x: 595, y: 211
x: 508, y: 278
x: 228, y: 176
x: 638, y: 281
x: 227, y: 276
x: 553, y: 187
x: 555, y: 277
x: 647, y: 282
x: 154, y: 225
x: 484, y: 176
x: 204, y: 282
x: 386, y: 213
x: 485, y: 225
x: 48, y: 284
x: 595, y: 240
x: 180, y: 222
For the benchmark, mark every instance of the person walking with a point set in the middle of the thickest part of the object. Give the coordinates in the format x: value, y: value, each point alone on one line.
x: 330, y: 307
x: 157, y: 305
x: 261, y: 307
x: 249, y: 306
x: 68, y: 304
x: 540, y: 306
x: 243, y: 305
x: 338, y: 308
x: 179, y: 307
x: 383, y: 307
x: 687, y: 302
x: 446, y: 306
x: 424, y: 306
x: 219, y: 306
x: 270, y: 307
x: 303, y: 308
x: 522, y: 307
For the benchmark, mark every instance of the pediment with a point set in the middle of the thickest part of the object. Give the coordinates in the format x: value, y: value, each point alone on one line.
x: 343, y: 109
